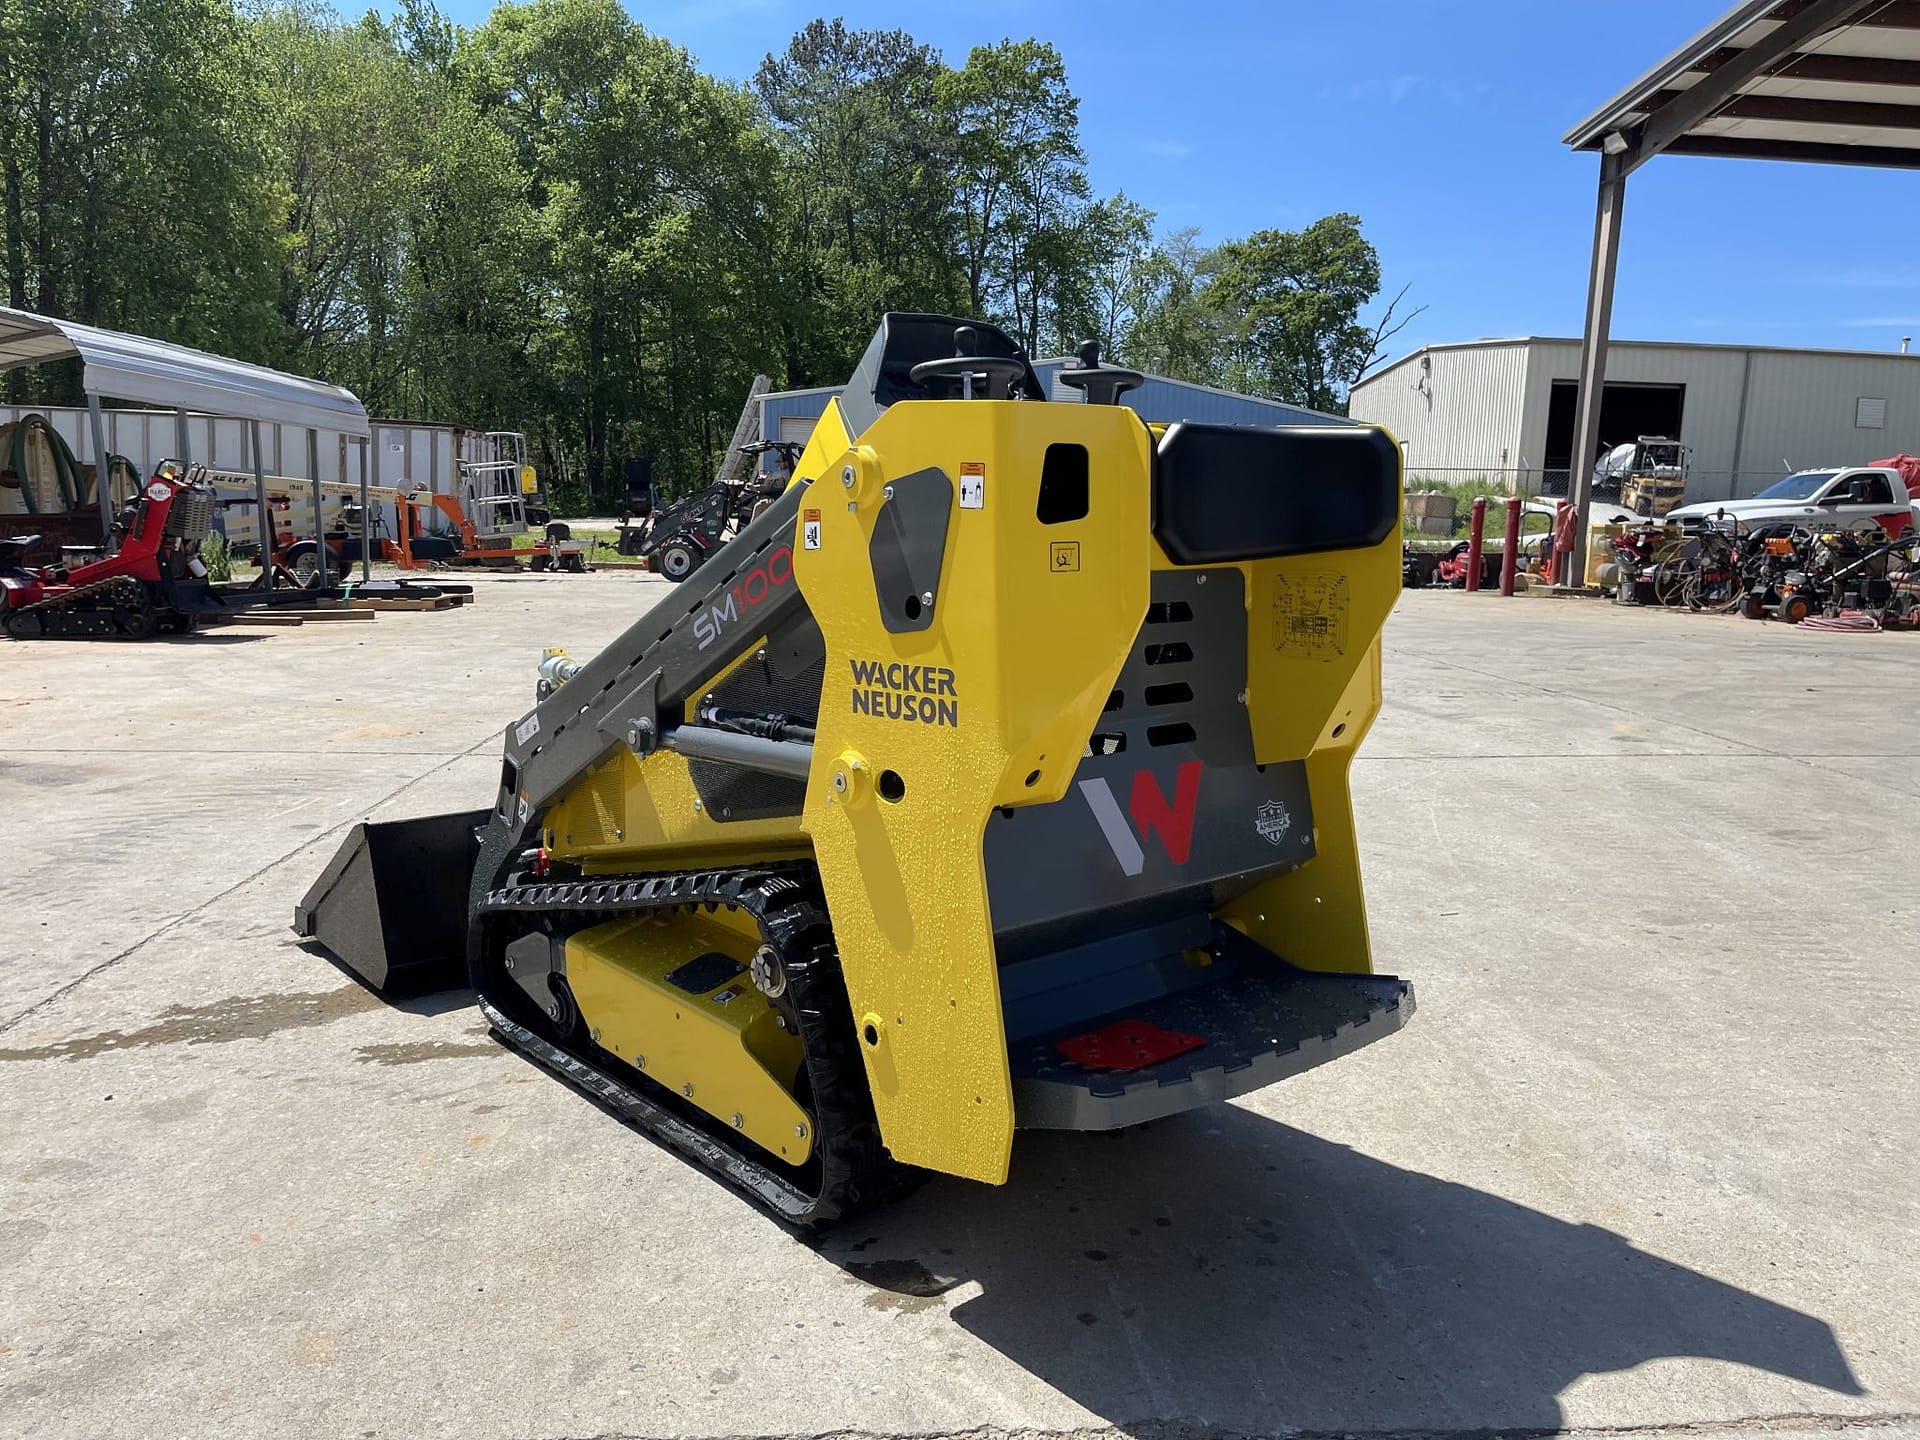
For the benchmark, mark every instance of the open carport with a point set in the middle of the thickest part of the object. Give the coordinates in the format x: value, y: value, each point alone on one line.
x: 1821, y: 81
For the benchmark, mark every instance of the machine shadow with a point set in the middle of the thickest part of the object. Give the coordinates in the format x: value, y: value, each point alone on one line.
x: 1224, y: 1267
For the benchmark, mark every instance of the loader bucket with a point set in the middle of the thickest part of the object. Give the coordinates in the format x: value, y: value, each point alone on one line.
x: 392, y: 905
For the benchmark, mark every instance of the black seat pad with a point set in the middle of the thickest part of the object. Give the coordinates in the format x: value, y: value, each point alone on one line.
x: 1224, y: 493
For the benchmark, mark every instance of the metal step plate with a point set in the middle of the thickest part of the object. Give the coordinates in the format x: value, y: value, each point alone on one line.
x: 1263, y: 1021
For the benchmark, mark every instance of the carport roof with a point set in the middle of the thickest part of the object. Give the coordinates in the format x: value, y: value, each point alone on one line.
x: 132, y: 367
x: 1836, y: 81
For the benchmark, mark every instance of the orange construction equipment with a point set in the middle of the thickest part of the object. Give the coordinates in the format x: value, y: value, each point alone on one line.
x: 415, y: 547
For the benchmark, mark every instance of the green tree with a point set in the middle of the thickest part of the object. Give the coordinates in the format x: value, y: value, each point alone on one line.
x: 1020, y: 179
x: 646, y: 182
x: 1173, y: 332
x: 133, y: 190
x: 865, y: 196
x: 1099, y: 297
x: 555, y: 223
x: 1289, y: 304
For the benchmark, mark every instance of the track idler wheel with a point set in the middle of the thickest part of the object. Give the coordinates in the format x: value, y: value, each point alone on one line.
x: 26, y: 625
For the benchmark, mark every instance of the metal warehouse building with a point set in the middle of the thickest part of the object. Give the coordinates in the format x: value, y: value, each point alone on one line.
x: 790, y: 414
x: 1506, y: 407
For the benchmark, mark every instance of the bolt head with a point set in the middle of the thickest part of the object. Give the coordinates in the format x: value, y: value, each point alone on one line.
x: 927, y: 598
x: 800, y: 1132
x: 687, y: 1090
x: 553, y: 1011
x: 846, y: 476
x: 639, y: 1062
x: 509, y: 962
x: 840, y: 781
x: 887, y: 490
x: 1199, y: 579
x: 737, y: 1120
x: 596, y: 1034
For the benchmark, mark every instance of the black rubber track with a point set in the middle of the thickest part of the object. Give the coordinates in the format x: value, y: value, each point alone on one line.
x: 850, y: 1170
x: 118, y: 608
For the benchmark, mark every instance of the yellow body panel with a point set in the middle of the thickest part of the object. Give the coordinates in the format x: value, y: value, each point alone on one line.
x: 1313, y: 689
x: 1033, y: 653
x: 1316, y: 916
x: 625, y: 807
x: 722, y: 1048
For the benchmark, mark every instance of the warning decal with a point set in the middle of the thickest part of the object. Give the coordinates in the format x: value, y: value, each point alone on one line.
x: 810, y: 529
x: 1310, y: 616
x: 973, y: 485
x: 1063, y: 556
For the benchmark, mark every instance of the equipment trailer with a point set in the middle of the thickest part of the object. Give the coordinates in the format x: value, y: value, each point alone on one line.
x: 994, y: 776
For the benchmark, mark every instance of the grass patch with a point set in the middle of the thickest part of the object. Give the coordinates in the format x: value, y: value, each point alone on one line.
x: 1464, y: 493
x: 601, y: 544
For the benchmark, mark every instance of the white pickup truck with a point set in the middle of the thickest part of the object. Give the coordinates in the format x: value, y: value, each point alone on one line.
x: 1852, y: 497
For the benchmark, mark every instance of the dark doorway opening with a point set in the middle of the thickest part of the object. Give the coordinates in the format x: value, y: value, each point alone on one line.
x: 1628, y: 410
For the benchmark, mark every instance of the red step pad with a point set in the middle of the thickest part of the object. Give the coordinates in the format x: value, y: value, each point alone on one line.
x: 1127, y: 1045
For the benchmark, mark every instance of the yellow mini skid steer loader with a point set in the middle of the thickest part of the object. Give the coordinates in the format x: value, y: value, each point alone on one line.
x: 994, y: 776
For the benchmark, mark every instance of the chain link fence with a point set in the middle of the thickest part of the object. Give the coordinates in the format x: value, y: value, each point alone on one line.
x: 1549, y: 483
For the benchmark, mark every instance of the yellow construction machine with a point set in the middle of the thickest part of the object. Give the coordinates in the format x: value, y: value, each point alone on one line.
x: 994, y: 777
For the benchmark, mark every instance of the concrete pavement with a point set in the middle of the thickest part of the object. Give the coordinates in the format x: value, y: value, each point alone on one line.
x: 1644, y: 1159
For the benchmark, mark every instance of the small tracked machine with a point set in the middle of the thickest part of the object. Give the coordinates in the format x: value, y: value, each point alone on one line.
x: 995, y: 776
x: 149, y: 582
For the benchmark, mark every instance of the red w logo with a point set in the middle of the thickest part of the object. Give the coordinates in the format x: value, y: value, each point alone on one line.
x: 1151, y: 814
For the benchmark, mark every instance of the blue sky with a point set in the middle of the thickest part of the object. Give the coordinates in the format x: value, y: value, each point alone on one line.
x: 1438, y: 122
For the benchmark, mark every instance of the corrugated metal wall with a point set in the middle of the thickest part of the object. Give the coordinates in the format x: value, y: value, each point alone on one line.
x: 400, y: 455
x: 1709, y: 418
x: 403, y: 455
x: 1804, y: 415
x: 1748, y: 412
x: 1799, y: 406
x: 790, y: 406
x: 1456, y: 412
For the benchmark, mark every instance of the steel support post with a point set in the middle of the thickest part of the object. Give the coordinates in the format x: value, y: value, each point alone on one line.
x: 261, y: 525
x: 1476, y: 542
x: 319, y: 525
x: 1593, y: 350
x: 1510, y: 556
x: 102, y: 471
x: 366, y: 513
